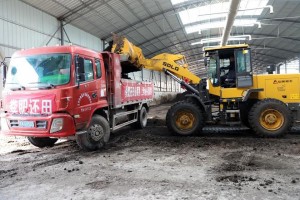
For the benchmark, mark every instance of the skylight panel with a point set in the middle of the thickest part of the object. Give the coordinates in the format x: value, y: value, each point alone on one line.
x: 174, y: 2
x: 220, y: 10
x: 251, y: 4
x: 211, y: 11
x: 218, y: 24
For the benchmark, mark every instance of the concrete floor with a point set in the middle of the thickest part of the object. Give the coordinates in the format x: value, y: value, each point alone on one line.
x: 153, y: 164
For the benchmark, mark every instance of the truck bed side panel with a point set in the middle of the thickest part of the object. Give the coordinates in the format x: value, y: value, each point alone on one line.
x: 133, y: 91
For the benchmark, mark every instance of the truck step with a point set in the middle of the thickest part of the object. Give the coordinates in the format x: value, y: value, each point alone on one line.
x: 125, y: 113
x: 124, y: 124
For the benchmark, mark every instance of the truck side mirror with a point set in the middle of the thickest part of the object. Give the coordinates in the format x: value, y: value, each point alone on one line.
x: 79, y: 67
x: 4, y: 72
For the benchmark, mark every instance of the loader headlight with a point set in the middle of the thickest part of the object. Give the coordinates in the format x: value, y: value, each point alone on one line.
x: 57, y: 125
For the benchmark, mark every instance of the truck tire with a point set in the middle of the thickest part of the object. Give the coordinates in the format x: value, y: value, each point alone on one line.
x: 142, y: 119
x: 42, y: 142
x: 185, y: 119
x: 270, y: 118
x: 96, y: 135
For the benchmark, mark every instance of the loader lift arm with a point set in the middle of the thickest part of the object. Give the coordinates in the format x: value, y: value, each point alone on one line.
x: 172, y: 64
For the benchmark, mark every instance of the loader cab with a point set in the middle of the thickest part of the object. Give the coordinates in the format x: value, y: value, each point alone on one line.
x: 229, y: 66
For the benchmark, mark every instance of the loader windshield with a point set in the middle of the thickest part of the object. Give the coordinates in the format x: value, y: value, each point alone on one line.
x: 212, y: 71
x: 38, y: 71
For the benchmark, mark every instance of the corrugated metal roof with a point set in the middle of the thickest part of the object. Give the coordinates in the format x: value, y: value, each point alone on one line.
x: 156, y: 26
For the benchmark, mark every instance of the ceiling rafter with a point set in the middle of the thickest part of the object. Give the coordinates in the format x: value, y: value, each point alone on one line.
x: 273, y: 57
x: 175, y: 9
x: 158, y: 5
x: 75, y: 10
x: 191, y: 40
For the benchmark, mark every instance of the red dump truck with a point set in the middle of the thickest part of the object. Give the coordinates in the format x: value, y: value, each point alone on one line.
x: 62, y: 91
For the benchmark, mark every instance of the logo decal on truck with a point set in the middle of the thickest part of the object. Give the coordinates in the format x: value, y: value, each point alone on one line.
x: 31, y: 106
x: 81, y: 97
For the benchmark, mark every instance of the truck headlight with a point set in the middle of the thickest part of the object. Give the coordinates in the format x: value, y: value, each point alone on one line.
x: 4, y: 126
x: 57, y: 125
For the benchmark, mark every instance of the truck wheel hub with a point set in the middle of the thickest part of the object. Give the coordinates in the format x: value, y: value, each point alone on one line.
x: 96, y: 132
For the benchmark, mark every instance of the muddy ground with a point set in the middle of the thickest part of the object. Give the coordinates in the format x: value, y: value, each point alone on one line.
x: 153, y: 164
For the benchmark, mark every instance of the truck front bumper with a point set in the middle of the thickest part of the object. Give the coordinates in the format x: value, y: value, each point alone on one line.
x: 55, y: 125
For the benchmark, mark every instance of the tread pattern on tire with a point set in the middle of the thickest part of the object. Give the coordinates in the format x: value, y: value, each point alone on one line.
x: 42, y: 142
x: 255, y: 113
x: 85, y: 142
x: 169, y: 117
x: 138, y: 124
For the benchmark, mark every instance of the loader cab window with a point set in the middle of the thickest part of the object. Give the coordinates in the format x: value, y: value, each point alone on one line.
x: 243, y: 60
x: 227, y: 69
x: 243, y: 68
x: 212, y: 70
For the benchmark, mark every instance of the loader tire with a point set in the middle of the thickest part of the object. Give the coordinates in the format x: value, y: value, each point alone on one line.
x: 270, y: 118
x: 185, y: 119
x: 42, y: 142
x: 244, y: 114
x: 96, y: 135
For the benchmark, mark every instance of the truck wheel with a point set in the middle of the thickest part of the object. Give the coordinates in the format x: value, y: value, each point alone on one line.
x: 96, y: 136
x: 270, y: 118
x: 142, y: 119
x: 184, y: 119
x: 42, y: 141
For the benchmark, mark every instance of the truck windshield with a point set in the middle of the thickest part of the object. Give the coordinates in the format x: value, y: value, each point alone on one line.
x: 46, y: 70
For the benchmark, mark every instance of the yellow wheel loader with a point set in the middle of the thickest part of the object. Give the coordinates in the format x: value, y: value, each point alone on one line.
x: 231, y: 95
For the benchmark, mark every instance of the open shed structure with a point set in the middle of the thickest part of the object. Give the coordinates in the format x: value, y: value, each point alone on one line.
x: 270, y: 27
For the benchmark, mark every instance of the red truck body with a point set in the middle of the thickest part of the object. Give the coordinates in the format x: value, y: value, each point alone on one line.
x: 92, y: 84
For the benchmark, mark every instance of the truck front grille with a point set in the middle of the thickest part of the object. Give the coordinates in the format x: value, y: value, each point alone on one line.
x: 14, y: 123
x: 41, y: 124
x: 38, y: 124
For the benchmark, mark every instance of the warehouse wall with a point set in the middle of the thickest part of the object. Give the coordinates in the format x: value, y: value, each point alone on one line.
x: 290, y: 67
x: 165, y: 88
x: 23, y: 27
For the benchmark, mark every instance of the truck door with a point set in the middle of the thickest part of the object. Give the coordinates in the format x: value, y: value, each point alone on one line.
x: 85, y: 94
x: 243, y: 68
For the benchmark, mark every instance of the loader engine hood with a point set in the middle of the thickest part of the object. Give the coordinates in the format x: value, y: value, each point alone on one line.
x: 30, y: 104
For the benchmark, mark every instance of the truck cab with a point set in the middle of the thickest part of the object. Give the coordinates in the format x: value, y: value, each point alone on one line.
x: 62, y: 91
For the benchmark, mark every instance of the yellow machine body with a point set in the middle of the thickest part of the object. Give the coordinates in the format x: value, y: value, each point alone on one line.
x: 284, y: 87
x: 231, y: 95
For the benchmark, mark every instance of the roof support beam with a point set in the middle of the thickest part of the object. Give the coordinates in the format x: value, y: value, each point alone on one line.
x: 251, y: 44
x: 175, y: 8
x: 233, y: 9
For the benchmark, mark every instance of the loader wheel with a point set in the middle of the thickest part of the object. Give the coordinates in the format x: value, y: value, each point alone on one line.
x: 142, y: 119
x: 244, y: 112
x: 42, y: 141
x: 270, y: 118
x: 96, y: 136
x: 184, y: 119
